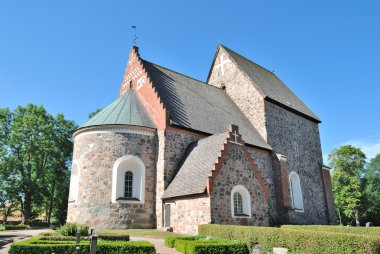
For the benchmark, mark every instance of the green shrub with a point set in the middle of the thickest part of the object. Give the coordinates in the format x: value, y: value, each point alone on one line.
x: 375, y: 231
x: 227, y: 247
x: 70, y: 229
x: 36, y: 245
x: 114, y: 237
x: 170, y: 240
x: 303, y: 241
x: 200, y: 245
x: 13, y: 227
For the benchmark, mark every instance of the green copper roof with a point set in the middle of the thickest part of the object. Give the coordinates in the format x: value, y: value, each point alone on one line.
x: 127, y: 109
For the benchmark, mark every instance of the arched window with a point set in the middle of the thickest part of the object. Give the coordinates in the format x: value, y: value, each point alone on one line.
x: 74, y: 183
x: 128, y: 180
x: 128, y: 184
x: 240, y: 202
x: 295, y: 191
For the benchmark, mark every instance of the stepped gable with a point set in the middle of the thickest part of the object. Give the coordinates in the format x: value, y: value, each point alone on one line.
x: 127, y: 109
x: 195, y: 105
x: 203, y: 161
x: 269, y: 85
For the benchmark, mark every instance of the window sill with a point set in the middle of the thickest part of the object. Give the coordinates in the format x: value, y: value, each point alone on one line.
x: 241, y: 216
x: 128, y: 200
x: 299, y: 210
x: 72, y: 202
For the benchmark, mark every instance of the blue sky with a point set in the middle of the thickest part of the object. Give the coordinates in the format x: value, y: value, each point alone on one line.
x: 70, y: 55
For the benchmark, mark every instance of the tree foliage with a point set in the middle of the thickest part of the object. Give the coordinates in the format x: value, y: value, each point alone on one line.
x: 94, y: 113
x: 370, y: 205
x: 348, y: 163
x: 35, y: 155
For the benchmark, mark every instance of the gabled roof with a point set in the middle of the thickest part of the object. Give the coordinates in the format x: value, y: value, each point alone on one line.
x: 270, y: 85
x: 126, y: 109
x: 194, y: 172
x: 198, y: 106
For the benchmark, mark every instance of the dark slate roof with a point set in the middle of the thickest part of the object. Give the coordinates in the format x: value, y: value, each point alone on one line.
x: 193, y: 174
x: 198, y: 106
x: 127, y: 109
x: 270, y: 85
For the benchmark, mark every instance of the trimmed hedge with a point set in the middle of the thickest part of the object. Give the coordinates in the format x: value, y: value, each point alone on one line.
x: 114, y: 237
x: 228, y: 247
x: 70, y: 229
x: 302, y: 241
x: 35, y: 245
x: 170, y: 240
x: 13, y: 227
x: 201, y: 245
x: 375, y: 231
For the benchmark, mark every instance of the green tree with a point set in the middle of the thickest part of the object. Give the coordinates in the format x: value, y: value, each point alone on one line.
x: 94, y: 113
x: 348, y: 163
x: 370, y: 205
x: 35, y: 151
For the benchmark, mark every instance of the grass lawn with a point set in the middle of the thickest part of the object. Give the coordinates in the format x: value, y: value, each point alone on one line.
x: 152, y: 233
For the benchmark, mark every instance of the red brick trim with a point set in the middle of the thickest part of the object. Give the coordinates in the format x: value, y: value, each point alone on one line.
x: 284, y: 180
x: 231, y: 138
x: 137, y: 76
x: 329, y: 194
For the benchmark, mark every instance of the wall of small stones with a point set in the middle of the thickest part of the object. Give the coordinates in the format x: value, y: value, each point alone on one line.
x: 96, y: 153
x: 237, y: 171
x: 263, y: 161
x: 172, y: 146
x: 298, y: 139
x: 188, y: 213
x: 240, y: 88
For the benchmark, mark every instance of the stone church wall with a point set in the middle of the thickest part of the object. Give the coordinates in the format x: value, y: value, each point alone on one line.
x: 96, y: 153
x: 189, y: 212
x: 239, y: 87
x: 237, y: 171
x: 172, y: 146
x: 298, y: 139
x: 263, y: 162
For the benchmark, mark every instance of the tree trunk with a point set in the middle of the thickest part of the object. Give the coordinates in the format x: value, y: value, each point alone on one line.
x: 357, y: 217
x: 51, y: 202
x: 340, y: 217
x: 27, y: 208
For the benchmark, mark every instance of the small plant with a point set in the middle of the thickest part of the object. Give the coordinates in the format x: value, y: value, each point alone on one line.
x: 70, y: 229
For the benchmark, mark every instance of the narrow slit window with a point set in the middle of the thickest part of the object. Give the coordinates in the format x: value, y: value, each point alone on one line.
x: 128, y: 187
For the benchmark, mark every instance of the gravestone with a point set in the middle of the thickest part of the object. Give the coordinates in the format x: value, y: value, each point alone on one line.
x: 369, y: 224
x: 94, y: 240
x: 256, y: 249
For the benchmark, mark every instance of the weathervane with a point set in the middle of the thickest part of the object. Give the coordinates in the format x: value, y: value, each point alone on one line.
x: 135, y: 38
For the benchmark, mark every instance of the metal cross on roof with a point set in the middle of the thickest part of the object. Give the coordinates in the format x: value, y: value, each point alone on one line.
x: 222, y: 62
x: 135, y: 37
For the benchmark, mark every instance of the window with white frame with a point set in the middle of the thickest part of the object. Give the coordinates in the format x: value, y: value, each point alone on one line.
x: 240, y: 202
x: 74, y: 183
x: 295, y: 191
x: 128, y: 180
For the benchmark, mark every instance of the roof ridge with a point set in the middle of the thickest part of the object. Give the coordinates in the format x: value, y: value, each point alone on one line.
x: 204, y: 83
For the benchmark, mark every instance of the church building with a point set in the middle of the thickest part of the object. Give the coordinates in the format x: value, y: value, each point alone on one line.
x: 175, y: 152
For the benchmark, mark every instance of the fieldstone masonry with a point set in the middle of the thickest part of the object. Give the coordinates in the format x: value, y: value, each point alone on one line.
x: 96, y: 153
x: 237, y: 171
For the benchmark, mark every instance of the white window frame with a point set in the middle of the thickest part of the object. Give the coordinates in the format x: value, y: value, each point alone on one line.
x: 292, y: 189
x: 121, y: 166
x: 246, y: 198
x: 74, y: 183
